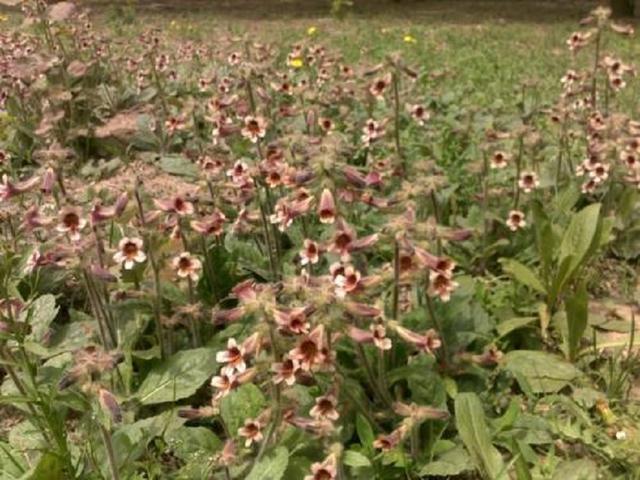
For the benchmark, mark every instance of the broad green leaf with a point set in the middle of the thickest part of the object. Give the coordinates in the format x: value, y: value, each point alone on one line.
x: 545, y: 239
x: 582, y: 469
x: 271, y: 467
x: 543, y: 372
x: 577, y: 313
x: 454, y: 461
x: 473, y: 430
x: 49, y: 467
x: 178, y: 165
x: 245, y: 402
x: 365, y: 432
x: 40, y: 314
x: 177, y: 377
x: 512, y: 324
x: 523, y: 274
x: 355, y: 459
x: 193, y: 443
x: 12, y: 464
x: 579, y: 237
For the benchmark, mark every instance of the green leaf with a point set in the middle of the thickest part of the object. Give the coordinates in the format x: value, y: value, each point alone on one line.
x: 473, y: 430
x: 40, y: 314
x: 454, y: 461
x: 49, y: 467
x: 523, y: 274
x: 178, y: 165
x: 579, y: 237
x: 177, y: 377
x: 577, y: 312
x: 365, y: 432
x: 193, y: 443
x: 271, y: 467
x: 245, y: 402
x: 583, y: 469
x: 355, y: 459
x: 543, y: 372
x: 506, y: 327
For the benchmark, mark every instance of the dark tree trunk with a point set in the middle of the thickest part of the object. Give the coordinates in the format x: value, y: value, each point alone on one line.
x: 622, y: 8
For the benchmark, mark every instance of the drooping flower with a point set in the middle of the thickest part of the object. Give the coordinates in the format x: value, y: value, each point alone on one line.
x: 178, y: 205
x: 441, y: 285
x: 292, y: 320
x: 129, y: 252
x: 232, y: 357
x: 427, y: 342
x: 310, y: 253
x: 325, y: 470
x: 285, y: 371
x: 327, y: 207
x: 325, y: 408
x: 310, y: 349
x: 251, y: 431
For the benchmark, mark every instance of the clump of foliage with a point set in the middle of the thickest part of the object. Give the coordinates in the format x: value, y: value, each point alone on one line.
x: 229, y: 261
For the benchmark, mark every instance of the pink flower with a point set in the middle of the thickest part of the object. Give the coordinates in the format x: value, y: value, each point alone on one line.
x: 310, y: 349
x: 129, y: 252
x: 251, y: 431
x: 516, y: 220
x: 426, y: 343
x: 325, y: 408
x: 325, y: 470
x: 441, y: 285
x: 285, y: 371
x: 254, y: 128
x: 327, y: 207
x: 187, y: 266
x: 176, y: 205
x: 310, y: 253
x: 528, y: 181
x: 71, y: 223
x: 232, y: 357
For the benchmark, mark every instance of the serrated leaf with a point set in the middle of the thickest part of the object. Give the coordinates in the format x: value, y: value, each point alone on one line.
x: 177, y: 377
x: 271, y: 467
x: 473, y: 430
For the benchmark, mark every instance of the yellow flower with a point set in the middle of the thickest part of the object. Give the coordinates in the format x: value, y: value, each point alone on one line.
x: 311, y: 30
x: 296, y: 62
x: 3, y: 18
x: 173, y: 24
x: 409, y: 39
